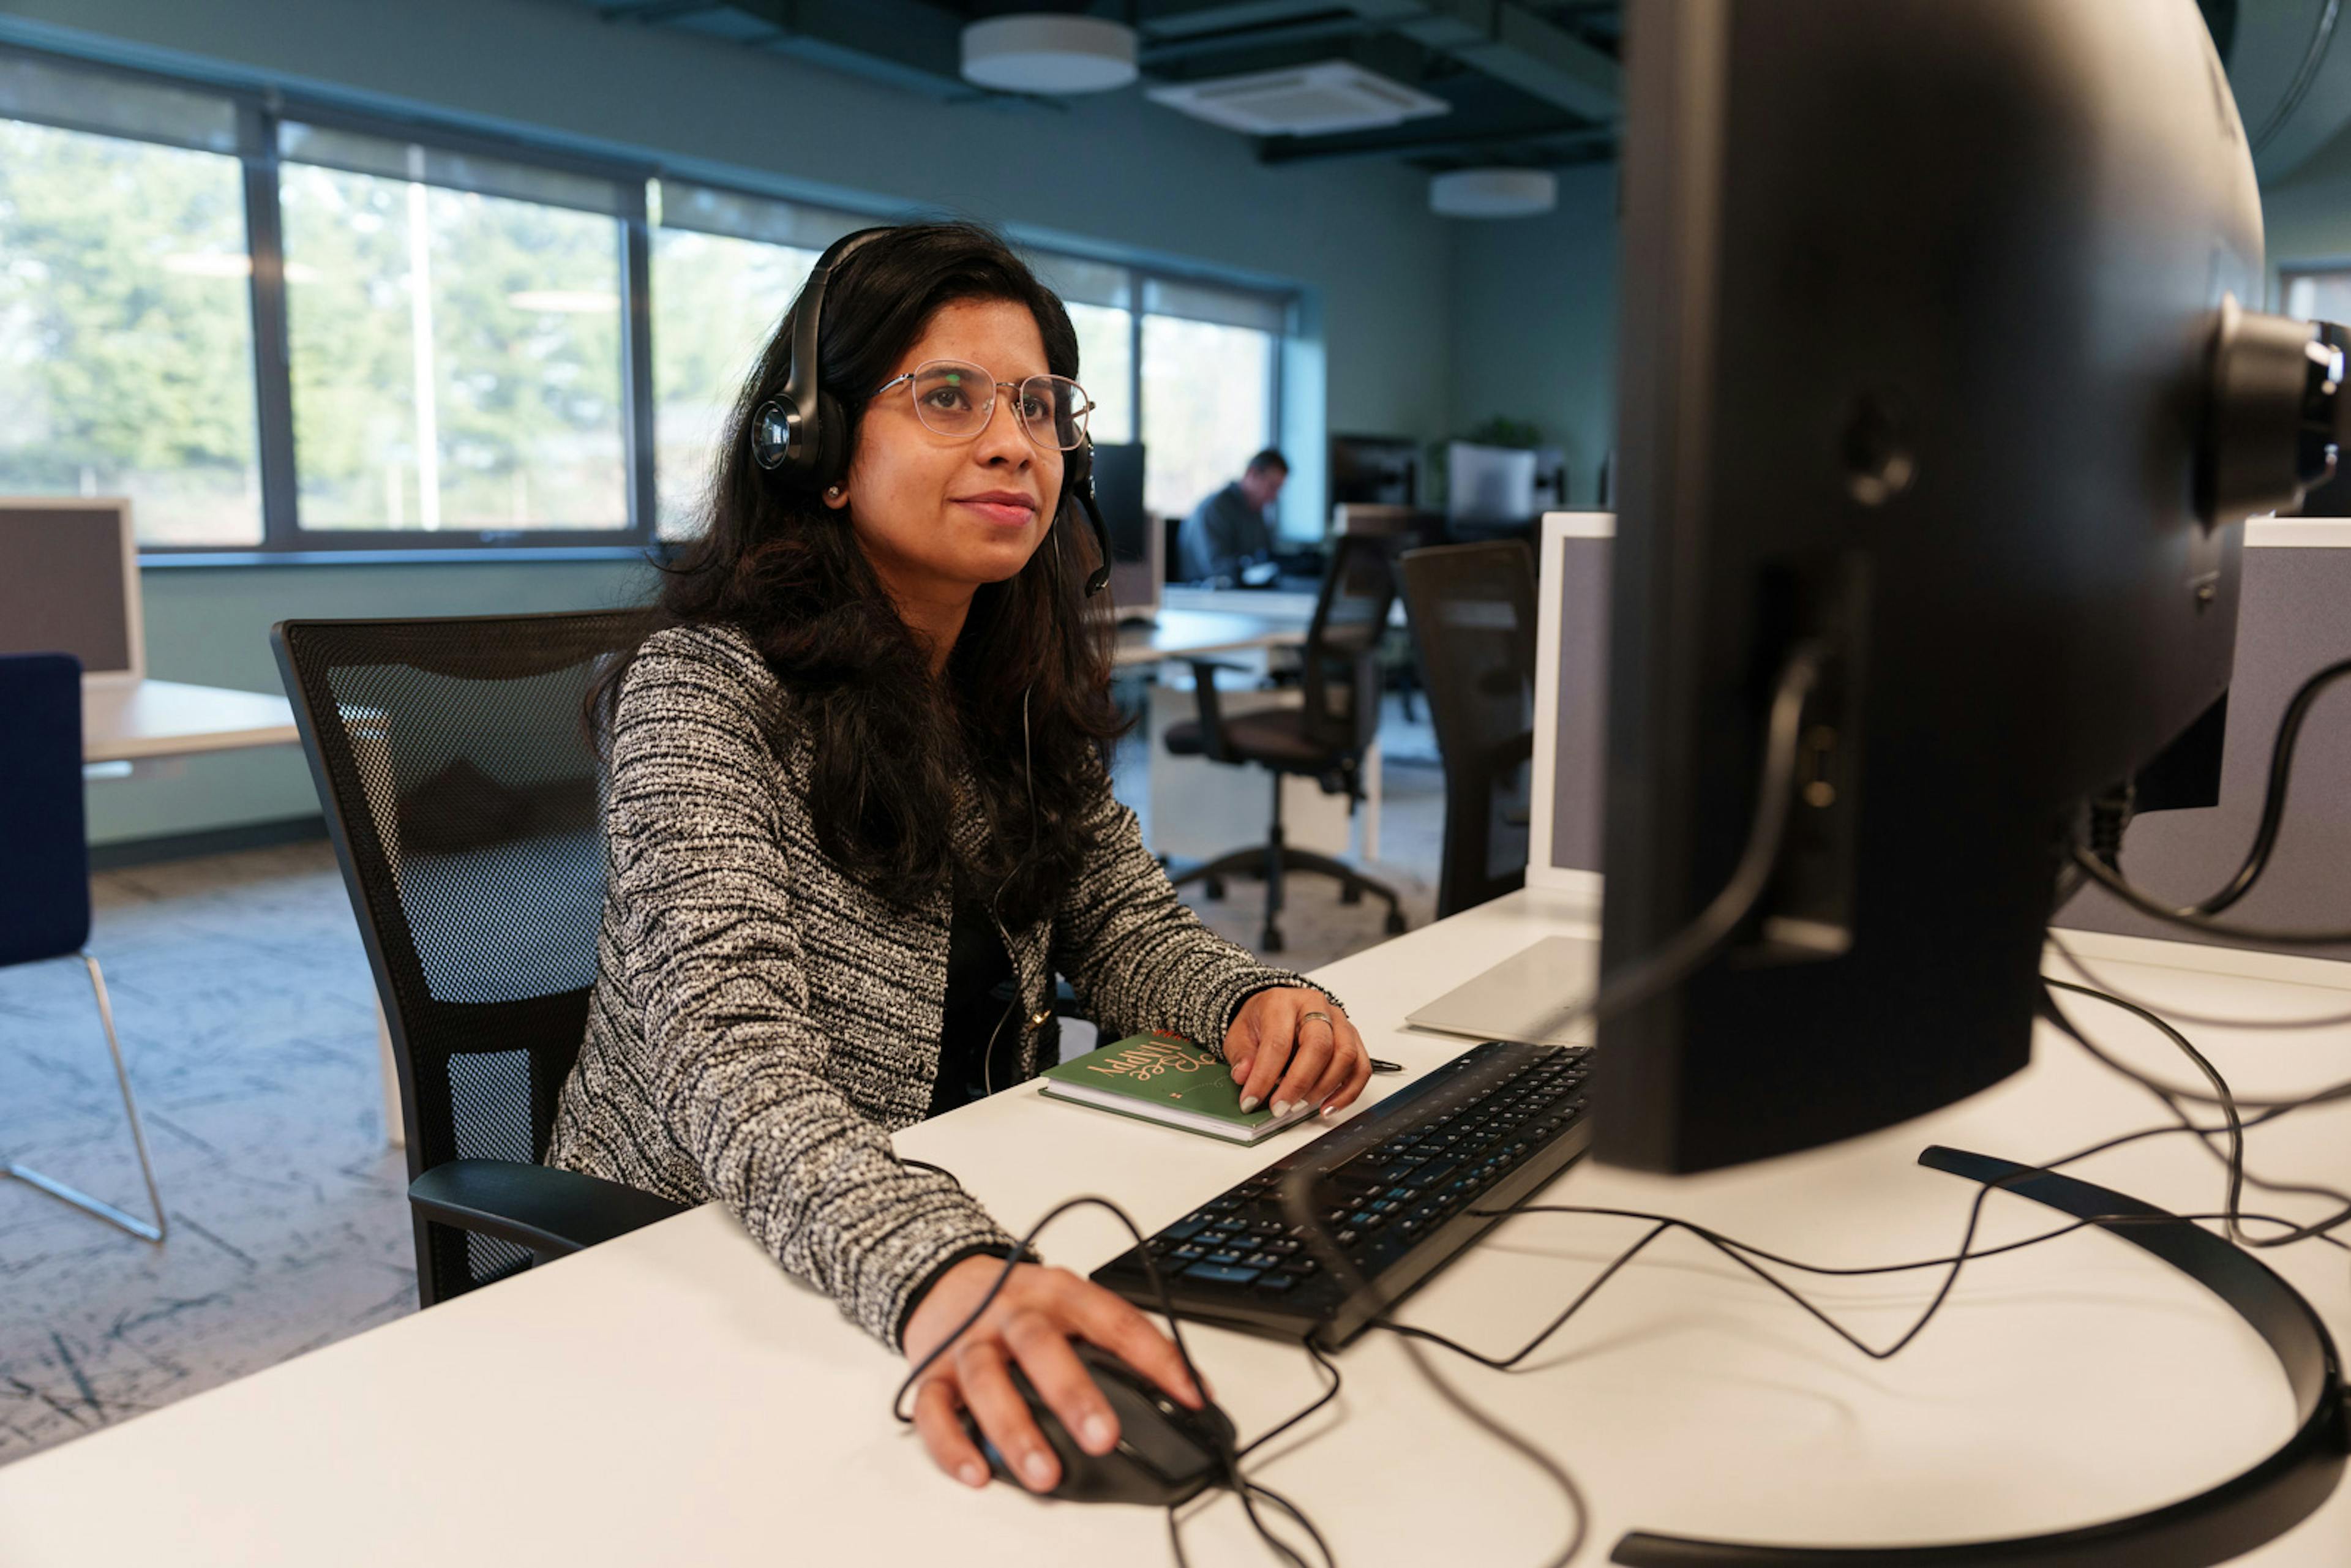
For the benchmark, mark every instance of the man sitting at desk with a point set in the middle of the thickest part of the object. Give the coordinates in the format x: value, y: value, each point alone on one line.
x: 1226, y: 533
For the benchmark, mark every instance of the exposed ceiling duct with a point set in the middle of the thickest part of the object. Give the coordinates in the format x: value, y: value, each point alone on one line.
x: 1434, y: 83
x: 2290, y: 66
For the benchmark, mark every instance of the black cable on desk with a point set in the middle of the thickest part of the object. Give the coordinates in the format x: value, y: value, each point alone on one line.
x: 2238, y: 1176
x: 1750, y: 1257
x: 1241, y: 1487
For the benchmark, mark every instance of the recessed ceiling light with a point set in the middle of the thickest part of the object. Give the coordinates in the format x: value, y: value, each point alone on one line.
x: 1493, y: 192
x: 1043, y: 52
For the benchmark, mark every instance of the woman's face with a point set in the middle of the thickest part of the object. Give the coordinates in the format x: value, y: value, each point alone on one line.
x: 936, y: 514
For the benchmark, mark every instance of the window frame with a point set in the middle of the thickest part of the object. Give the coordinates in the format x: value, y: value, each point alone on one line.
x: 283, y: 540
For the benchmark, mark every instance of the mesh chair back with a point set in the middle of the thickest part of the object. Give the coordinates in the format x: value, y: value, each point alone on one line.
x: 464, y: 802
x: 44, y: 852
x: 1350, y: 617
x: 1472, y: 609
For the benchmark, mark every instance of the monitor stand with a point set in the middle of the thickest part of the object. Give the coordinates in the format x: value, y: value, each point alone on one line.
x: 2229, y: 1520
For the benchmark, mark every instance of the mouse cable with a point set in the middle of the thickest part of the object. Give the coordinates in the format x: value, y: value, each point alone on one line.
x: 1241, y: 1485
x: 1329, y: 1393
x: 2234, y: 1160
x: 1751, y: 1258
x: 2177, y: 1015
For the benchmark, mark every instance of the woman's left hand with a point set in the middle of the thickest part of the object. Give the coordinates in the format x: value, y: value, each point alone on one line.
x: 1291, y: 1044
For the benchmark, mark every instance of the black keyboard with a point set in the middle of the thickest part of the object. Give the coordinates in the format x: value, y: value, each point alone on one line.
x: 1393, y: 1190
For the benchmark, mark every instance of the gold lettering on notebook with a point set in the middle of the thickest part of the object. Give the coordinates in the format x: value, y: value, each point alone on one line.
x: 1149, y: 1059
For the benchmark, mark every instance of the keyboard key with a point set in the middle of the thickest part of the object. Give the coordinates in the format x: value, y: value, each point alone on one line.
x: 1184, y: 1229
x: 1275, y: 1284
x: 1220, y: 1274
x: 1189, y: 1253
x: 1263, y: 1260
x: 1226, y: 1256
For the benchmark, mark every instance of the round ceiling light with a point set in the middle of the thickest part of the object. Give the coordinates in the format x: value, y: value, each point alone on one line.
x: 1040, y: 52
x: 1493, y: 192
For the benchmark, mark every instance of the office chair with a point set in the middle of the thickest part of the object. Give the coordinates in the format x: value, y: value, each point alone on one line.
x: 465, y: 803
x: 1324, y: 739
x: 1401, y: 529
x: 1472, y: 612
x: 44, y: 871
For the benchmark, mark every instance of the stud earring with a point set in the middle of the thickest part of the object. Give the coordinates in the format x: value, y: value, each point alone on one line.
x: 834, y: 491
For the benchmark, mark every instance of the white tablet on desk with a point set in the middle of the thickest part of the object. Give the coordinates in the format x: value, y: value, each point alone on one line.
x: 1535, y: 996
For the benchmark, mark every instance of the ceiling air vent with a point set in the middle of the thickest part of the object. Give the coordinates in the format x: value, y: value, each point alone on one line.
x: 1307, y: 100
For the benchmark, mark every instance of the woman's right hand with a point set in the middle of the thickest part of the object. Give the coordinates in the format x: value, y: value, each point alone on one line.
x: 1030, y: 1322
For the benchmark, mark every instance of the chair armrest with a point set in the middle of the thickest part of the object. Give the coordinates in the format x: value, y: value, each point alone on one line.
x: 548, y: 1210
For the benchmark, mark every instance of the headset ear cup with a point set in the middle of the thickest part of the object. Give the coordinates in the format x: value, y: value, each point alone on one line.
x: 828, y: 453
x: 771, y: 435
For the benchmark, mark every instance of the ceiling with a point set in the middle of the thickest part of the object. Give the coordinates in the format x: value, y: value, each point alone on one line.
x: 1532, y: 83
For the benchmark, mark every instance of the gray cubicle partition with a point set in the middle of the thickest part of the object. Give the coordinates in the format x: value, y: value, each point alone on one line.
x: 2295, y: 617
x: 1575, y: 585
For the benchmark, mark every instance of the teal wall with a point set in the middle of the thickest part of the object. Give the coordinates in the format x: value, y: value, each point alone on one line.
x: 1114, y: 175
x: 1534, y: 323
x: 210, y: 627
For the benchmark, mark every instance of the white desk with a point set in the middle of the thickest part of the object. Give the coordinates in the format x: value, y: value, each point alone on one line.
x: 672, y: 1396
x: 154, y: 720
x: 1196, y: 633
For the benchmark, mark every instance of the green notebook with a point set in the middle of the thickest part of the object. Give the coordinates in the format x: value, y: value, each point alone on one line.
x: 1166, y: 1079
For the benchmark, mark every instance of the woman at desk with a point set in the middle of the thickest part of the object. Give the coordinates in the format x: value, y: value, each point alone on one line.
x: 857, y: 818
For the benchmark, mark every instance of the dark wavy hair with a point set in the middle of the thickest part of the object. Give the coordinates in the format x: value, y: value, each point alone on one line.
x: 772, y: 561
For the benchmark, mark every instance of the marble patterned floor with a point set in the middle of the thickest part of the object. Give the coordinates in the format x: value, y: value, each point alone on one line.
x: 242, y: 1001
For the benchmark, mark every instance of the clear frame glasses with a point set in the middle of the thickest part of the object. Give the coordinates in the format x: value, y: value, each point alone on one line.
x: 957, y: 399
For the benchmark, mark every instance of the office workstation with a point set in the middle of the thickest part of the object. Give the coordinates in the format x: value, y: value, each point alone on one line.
x: 1583, y: 658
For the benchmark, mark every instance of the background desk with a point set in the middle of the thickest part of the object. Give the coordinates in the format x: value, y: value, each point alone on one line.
x: 153, y: 721
x: 672, y: 1397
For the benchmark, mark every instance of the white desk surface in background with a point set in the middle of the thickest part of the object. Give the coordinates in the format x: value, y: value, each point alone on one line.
x: 672, y: 1396
x: 1196, y: 634
x: 165, y: 718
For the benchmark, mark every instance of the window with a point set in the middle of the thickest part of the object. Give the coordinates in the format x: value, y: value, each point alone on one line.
x: 1210, y: 365
x: 126, y: 321
x: 281, y: 324
x: 1202, y: 362
x: 2319, y: 294
x: 726, y: 268
x: 455, y: 353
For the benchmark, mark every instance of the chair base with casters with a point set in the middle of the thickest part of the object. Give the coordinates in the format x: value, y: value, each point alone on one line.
x: 146, y: 1230
x: 1272, y: 860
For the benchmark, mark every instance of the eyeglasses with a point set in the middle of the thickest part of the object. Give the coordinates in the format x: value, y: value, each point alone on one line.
x: 948, y: 399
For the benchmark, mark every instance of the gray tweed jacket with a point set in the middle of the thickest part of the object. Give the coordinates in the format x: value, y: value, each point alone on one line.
x: 761, y: 1023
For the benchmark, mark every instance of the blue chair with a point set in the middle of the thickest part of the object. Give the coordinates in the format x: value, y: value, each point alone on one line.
x: 45, y: 874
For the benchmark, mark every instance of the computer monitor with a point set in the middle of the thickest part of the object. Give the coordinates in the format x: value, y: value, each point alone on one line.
x: 70, y: 584
x: 1137, y: 567
x: 1489, y: 484
x: 1929, y: 358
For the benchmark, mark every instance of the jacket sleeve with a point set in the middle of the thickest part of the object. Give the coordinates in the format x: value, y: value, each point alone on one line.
x: 1137, y: 958
x: 694, y: 815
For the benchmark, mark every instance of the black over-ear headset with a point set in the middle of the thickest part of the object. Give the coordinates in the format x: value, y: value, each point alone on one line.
x: 802, y: 436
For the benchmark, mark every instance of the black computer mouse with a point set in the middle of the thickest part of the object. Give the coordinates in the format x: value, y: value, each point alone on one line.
x: 1166, y: 1454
